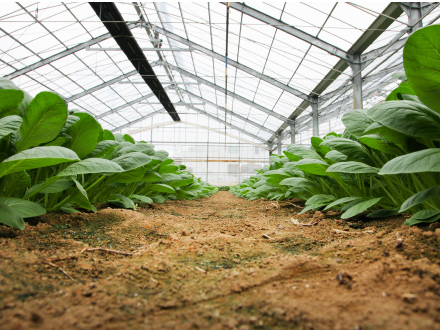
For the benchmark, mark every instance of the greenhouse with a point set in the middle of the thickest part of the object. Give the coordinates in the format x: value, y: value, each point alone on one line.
x: 230, y: 165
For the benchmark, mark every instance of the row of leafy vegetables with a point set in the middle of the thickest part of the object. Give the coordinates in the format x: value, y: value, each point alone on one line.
x: 54, y: 159
x: 387, y: 161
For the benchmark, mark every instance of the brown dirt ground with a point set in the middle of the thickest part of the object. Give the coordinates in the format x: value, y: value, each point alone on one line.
x: 219, y: 263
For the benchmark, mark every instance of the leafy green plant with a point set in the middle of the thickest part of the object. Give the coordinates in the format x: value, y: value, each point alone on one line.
x: 386, y: 161
x: 52, y: 159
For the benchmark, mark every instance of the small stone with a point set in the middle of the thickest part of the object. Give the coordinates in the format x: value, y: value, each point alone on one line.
x: 409, y: 297
x: 266, y: 236
x: 434, y: 225
x: 36, y: 318
x: 318, y: 215
x: 399, y: 244
x: 437, y: 232
x: 337, y: 260
x: 428, y: 234
x: 184, y: 233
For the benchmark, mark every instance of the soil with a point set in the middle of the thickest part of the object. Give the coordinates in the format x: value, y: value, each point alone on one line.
x: 219, y: 263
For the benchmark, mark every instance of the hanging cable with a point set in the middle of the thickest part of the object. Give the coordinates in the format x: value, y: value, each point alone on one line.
x: 226, y: 68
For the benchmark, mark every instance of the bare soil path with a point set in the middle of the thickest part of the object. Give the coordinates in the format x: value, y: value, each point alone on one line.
x: 218, y: 263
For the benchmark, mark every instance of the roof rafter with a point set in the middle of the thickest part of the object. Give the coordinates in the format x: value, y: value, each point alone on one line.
x: 231, y: 62
x: 221, y: 89
x: 280, y: 25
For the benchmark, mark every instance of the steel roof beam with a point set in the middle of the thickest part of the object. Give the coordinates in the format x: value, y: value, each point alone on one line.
x: 102, y: 115
x: 221, y: 89
x: 231, y: 62
x: 380, y: 24
x: 280, y: 25
x: 115, y: 24
x: 228, y: 111
x: 64, y: 53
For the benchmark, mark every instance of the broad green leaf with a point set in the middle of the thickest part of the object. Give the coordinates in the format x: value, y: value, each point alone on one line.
x: 420, y: 161
x: 420, y: 197
x: 160, y: 187
x: 167, y: 177
x: 168, y: 169
x: 350, y: 148
x: 118, y: 137
x: 291, y: 156
x: 17, y: 181
x: 158, y: 199
x: 107, y: 135
x: 132, y: 160
x: 356, y: 122
x: 321, y: 149
x: 343, y: 200
x: 124, y: 202
x: 142, y: 199
x: 139, y: 147
x: 69, y: 210
x: 10, y: 99
x: 377, y: 142
x: 91, y: 165
x: 24, y: 208
x: 425, y: 216
x: 360, y: 207
x: 36, y: 158
x: 104, y: 149
x: 407, y: 117
x: 303, y: 152
x: 389, y: 134
x: 421, y: 59
x: 313, y: 166
x: 42, y: 121
x: 336, y: 156
x: 320, y: 199
x: 151, y: 177
x: 401, y: 75
x: 128, y: 138
x: 85, y: 134
x: 162, y: 154
x: 56, y: 187
x: 180, y: 183
x: 352, y: 167
x: 10, y: 217
x: 396, y: 94
x: 131, y: 176
x: 59, y: 141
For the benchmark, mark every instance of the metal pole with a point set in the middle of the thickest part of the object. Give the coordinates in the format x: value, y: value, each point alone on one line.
x: 292, y: 133
x: 280, y: 152
x: 356, y: 67
x: 315, y: 117
x: 414, y: 12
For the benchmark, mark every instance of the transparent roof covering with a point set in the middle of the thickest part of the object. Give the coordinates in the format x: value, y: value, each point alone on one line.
x: 254, y: 68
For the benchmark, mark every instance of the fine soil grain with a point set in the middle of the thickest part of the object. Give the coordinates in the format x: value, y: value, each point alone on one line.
x: 219, y: 263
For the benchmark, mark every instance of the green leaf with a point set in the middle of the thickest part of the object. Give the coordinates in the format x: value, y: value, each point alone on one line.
x: 427, y: 160
x: 396, y: 94
x: 360, y: 207
x: 124, y: 202
x: 303, y: 152
x: 161, y: 188
x: 343, y: 200
x: 142, y: 199
x: 132, y: 160
x: 131, y: 176
x: 320, y: 199
x: 421, y: 59
x: 352, y: 167
x: 291, y: 156
x: 10, y: 99
x: 162, y: 154
x: 139, y: 147
x: 316, y: 143
x: 350, y: 148
x: 69, y: 210
x: 377, y: 142
x: 42, y: 121
x: 151, y: 177
x: 356, y: 122
x: 104, y: 149
x: 158, y: 199
x: 56, y: 187
x: 167, y: 177
x: 17, y: 181
x: 85, y: 134
x: 336, y: 156
x: 107, y: 135
x: 10, y: 217
x: 181, y: 183
x: 36, y: 158
x: 91, y: 165
x: 313, y: 166
x: 26, y: 209
x: 420, y: 197
x: 425, y: 216
x: 128, y: 138
x: 407, y: 117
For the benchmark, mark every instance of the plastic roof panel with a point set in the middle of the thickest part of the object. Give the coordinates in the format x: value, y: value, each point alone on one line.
x: 265, y: 50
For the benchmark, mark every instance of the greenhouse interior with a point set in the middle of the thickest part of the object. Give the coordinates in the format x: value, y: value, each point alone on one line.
x: 220, y: 165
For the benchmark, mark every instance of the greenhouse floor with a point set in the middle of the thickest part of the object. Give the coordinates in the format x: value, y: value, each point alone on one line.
x: 218, y: 263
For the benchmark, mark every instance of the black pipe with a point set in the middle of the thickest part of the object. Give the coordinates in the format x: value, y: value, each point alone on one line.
x: 115, y: 24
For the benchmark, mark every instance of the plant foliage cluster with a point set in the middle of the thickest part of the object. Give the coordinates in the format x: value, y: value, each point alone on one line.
x: 387, y: 160
x: 54, y: 159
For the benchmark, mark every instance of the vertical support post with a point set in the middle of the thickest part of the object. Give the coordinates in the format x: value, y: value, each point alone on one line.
x: 315, y: 116
x: 292, y: 133
x: 414, y: 12
x: 270, y: 145
x: 279, y: 140
x: 356, y: 68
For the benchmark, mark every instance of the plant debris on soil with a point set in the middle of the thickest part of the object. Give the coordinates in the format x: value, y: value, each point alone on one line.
x: 219, y: 263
